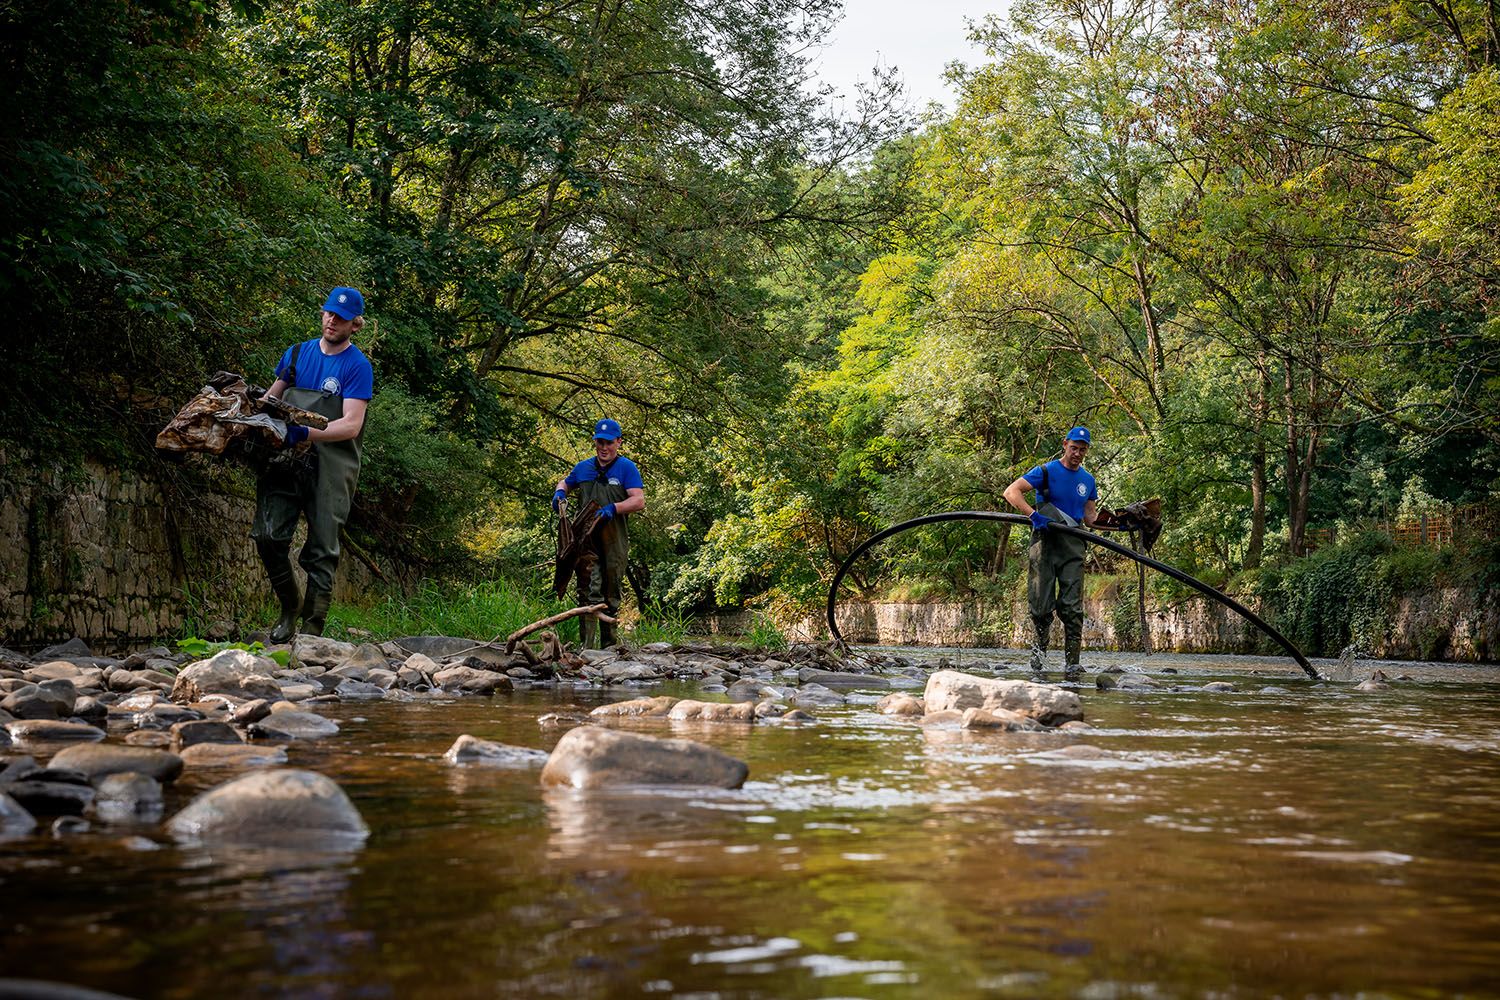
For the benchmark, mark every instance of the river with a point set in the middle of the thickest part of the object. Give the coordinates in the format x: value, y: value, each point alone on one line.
x: 1290, y: 839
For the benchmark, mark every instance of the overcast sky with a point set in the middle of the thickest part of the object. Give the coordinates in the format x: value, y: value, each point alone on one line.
x: 919, y: 39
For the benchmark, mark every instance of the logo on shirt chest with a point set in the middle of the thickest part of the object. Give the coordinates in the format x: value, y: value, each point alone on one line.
x: 331, y: 385
x: 1083, y: 490
x: 613, y: 481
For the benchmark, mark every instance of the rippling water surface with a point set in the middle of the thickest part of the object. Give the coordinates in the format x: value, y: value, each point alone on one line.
x: 1291, y: 838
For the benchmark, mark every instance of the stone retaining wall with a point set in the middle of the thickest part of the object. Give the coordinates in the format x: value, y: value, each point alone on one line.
x: 1445, y: 624
x: 118, y: 557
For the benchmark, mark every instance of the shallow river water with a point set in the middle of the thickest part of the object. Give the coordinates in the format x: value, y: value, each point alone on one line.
x: 1289, y: 839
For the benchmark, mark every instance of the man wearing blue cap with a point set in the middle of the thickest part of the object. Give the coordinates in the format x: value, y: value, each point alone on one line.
x: 613, y: 482
x: 332, y: 377
x: 1065, y: 492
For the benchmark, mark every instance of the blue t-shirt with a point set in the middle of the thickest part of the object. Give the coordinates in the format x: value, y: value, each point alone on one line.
x: 621, y: 472
x: 1068, y: 491
x: 346, y: 373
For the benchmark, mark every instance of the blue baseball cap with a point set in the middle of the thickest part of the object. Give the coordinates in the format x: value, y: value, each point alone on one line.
x: 345, y: 302
x: 607, y: 430
x: 1078, y: 434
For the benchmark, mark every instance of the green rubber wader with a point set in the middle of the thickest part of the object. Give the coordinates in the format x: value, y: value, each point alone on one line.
x: 611, y: 542
x: 1054, y: 580
x: 322, y: 494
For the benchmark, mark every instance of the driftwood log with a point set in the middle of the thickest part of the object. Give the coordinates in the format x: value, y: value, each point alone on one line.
x: 521, y: 633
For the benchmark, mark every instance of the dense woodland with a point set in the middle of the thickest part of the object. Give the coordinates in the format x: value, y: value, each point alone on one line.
x: 1253, y: 245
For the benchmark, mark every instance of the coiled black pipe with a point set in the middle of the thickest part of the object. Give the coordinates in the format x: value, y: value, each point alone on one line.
x: 1113, y: 546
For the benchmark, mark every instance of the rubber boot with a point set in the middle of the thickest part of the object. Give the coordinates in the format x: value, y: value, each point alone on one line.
x: 606, y: 635
x: 1072, y: 649
x: 284, y: 584
x: 1039, y: 660
x: 588, y: 632
x: 315, y: 611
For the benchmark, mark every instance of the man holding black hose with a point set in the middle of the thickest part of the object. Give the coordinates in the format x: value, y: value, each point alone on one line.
x: 1065, y: 492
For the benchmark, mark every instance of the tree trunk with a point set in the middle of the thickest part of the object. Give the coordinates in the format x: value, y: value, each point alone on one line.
x: 1259, y: 408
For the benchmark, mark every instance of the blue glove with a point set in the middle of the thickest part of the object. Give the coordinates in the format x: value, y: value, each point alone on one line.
x: 295, y: 435
x: 606, y: 512
x: 1039, y: 521
x: 558, y: 497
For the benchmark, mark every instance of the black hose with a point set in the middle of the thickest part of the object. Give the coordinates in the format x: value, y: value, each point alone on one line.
x: 1113, y: 546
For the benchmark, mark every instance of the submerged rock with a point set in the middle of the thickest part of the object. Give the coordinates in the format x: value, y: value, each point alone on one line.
x: 637, y: 707
x: 997, y: 718
x: 293, y: 725
x: 1049, y: 705
x: 232, y: 755
x: 595, y: 757
x: 470, y: 681
x: 271, y: 807
x: 712, y: 711
x: 840, y: 679
x: 186, y: 734
x: 472, y: 750
x: 900, y: 703
x: 52, y: 731
x: 99, y: 760
x: 15, y: 821
x: 128, y: 797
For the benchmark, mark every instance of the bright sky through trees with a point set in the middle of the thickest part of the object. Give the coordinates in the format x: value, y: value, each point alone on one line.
x: 919, y: 40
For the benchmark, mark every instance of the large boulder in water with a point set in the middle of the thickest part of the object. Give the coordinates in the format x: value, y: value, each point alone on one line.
x: 270, y: 807
x: 233, y: 672
x: 595, y: 757
x: 951, y: 690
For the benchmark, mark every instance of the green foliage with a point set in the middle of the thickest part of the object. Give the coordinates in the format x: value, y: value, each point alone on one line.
x: 483, y: 611
x: 764, y: 635
x: 659, y: 622
x: 202, y: 649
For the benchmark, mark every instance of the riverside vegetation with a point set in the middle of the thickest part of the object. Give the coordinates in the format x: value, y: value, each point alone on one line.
x: 1252, y: 245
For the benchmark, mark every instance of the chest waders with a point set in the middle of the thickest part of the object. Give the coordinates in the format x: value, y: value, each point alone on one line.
x: 322, y: 491
x: 601, y: 583
x: 1054, y: 581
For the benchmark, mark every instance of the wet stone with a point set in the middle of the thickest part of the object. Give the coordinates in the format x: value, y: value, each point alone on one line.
x: 65, y: 826
x: 1049, y: 705
x: 293, y: 725
x: 636, y: 707
x: 51, y: 699
x: 275, y: 806
x: 50, y: 798
x: 233, y: 755
x: 186, y: 734
x: 471, y: 750
x: 128, y: 797
x: 470, y: 681
x: 899, y: 703
x: 597, y: 757
x: 91, y: 710
x: 352, y: 690
x: 688, y: 710
x: 250, y: 711
x: 99, y: 760
x: 233, y: 672
x: 51, y: 730
x: 15, y: 820
x: 149, y: 738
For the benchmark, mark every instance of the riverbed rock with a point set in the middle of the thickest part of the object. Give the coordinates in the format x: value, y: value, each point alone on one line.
x: 472, y: 750
x: 840, y: 679
x: 100, y: 760
x: 52, y: 731
x: 15, y: 820
x: 1375, y: 682
x: 637, y: 707
x: 271, y: 807
x: 128, y: 797
x: 250, y: 711
x: 91, y: 710
x: 900, y: 703
x: 688, y: 710
x: 233, y: 755
x: 318, y: 651
x: 621, y: 671
x: 1132, y: 681
x: 997, y: 718
x: 69, y: 649
x: 816, y: 695
x: 293, y: 725
x: 352, y: 690
x: 947, y: 718
x: 186, y: 734
x: 1219, y: 687
x: 596, y: 757
x: 1049, y: 705
x: 1076, y: 752
x: 47, y: 699
x: 149, y: 738
x: 234, y: 672
x: 50, y: 798
x: 470, y: 681
x: 78, y: 676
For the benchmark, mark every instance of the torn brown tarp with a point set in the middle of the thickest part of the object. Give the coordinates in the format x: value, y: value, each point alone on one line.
x: 572, y: 545
x: 1143, y: 516
x: 228, y: 410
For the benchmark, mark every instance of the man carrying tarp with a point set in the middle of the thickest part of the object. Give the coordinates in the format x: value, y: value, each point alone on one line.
x: 328, y: 375
x: 613, y: 482
x: 1065, y: 492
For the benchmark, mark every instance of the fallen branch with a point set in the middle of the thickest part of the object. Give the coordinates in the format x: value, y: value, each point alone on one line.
x: 525, y: 630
